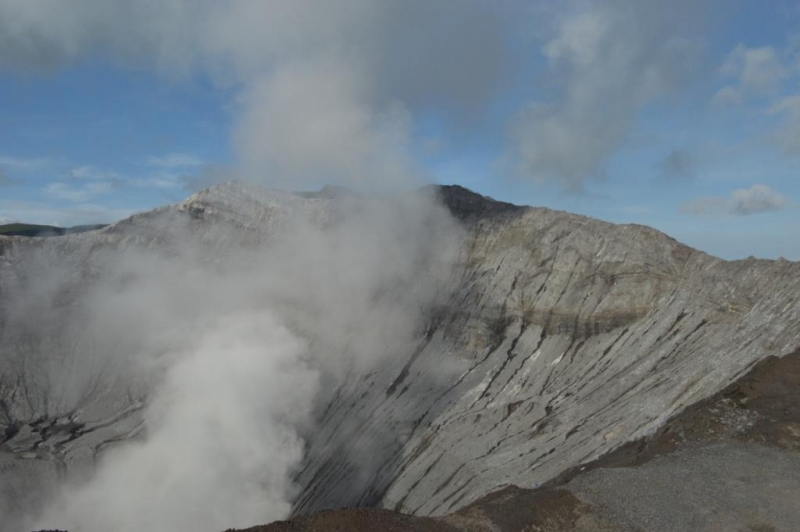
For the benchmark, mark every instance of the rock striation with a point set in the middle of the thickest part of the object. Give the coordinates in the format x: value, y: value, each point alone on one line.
x: 562, y: 339
x: 566, y: 337
x: 729, y: 462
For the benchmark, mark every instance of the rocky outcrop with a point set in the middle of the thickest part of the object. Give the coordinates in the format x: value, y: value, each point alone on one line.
x: 563, y: 339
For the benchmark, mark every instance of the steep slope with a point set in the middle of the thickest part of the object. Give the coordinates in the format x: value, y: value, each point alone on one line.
x: 562, y: 339
x: 729, y: 462
x: 565, y: 338
x: 63, y: 400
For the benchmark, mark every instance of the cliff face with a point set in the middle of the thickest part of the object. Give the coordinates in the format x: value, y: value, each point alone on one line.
x: 729, y: 462
x: 561, y: 339
x: 566, y: 337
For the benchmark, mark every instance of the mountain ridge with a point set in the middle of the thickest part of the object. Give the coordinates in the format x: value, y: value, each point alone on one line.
x: 461, y: 201
x: 565, y: 338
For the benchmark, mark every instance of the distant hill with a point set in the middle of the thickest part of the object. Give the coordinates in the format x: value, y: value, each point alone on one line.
x: 18, y: 229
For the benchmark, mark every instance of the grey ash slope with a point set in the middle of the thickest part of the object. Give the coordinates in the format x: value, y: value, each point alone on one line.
x: 564, y: 338
x: 63, y: 402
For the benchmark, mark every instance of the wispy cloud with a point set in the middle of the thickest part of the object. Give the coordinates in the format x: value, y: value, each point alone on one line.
x: 93, y: 173
x: 755, y: 71
x: 787, y: 136
x: 766, y: 77
x: 166, y: 174
x: 174, y: 161
x: 607, y: 69
x: 78, y: 193
x: 758, y: 198
x: 741, y: 202
x: 160, y: 181
x: 86, y: 183
x: 22, y: 164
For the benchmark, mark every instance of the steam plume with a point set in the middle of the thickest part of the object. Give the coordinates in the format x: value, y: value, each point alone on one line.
x: 230, y: 344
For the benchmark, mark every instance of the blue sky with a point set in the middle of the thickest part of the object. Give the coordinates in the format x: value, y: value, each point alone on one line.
x: 683, y: 117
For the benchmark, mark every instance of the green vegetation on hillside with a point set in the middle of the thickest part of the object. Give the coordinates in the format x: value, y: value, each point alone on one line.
x: 20, y: 229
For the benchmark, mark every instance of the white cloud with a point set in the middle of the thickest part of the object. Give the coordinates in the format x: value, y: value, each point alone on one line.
x: 789, y: 105
x: 174, y: 160
x: 163, y: 180
x: 607, y: 60
x: 25, y: 163
x: 706, y: 205
x: 78, y: 193
x: 766, y: 76
x: 741, y: 202
x: 787, y: 135
x: 758, y: 198
x: 728, y: 95
x: 168, y: 171
x: 93, y: 173
x: 356, y: 54
x: 757, y: 71
x: 164, y: 175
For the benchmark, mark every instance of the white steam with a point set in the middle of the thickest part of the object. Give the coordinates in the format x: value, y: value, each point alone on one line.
x: 309, y: 121
x: 231, y: 343
x: 333, y: 90
x: 324, y: 90
x: 230, y: 333
x: 221, y: 438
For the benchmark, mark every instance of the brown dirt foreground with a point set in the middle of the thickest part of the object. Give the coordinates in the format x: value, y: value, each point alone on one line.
x: 731, y: 462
